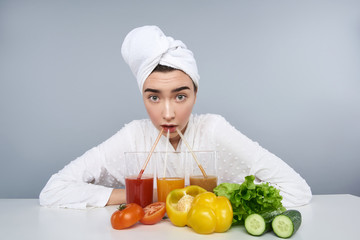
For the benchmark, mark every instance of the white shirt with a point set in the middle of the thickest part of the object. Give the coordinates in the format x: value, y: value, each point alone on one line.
x: 89, y: 180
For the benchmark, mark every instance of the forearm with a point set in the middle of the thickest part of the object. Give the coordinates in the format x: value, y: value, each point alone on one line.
x: 293, y: 187
x: 69, y: 194
x: 255, y: 160
x: 117, y: 196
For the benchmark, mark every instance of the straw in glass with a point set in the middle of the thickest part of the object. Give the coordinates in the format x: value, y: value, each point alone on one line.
x: 192, y: 152
x: 166, y: 151
x: 149, y: 156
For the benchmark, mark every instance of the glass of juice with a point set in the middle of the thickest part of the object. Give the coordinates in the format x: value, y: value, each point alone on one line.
x: 208, y: 161
x: 170, y: 173
x: 138, y: 190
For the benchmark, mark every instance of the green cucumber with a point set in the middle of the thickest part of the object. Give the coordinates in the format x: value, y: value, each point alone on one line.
x: 287, y: 223
x: 255, y: 224
x: 258, y: 224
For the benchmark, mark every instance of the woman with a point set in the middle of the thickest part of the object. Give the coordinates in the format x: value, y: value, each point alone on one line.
x: 167, y: 76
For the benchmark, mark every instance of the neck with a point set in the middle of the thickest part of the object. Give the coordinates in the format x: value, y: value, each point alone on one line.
x: 175, y: 141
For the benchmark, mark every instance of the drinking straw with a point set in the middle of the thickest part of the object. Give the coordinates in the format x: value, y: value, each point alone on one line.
x: 166, y: 150
x: 151, y: 151
x: 193, y: 154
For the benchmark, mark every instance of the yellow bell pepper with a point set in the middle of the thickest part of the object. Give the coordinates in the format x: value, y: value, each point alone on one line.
x: 210, y: 213
x: 178, y: 204
x: 203, y: 211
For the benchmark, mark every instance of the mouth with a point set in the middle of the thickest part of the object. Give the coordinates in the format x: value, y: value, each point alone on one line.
x: 169, y: 127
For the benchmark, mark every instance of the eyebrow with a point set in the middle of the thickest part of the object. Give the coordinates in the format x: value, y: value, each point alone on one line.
x: 180, y: 89
x: 152, y: 90
x: 174, y: 90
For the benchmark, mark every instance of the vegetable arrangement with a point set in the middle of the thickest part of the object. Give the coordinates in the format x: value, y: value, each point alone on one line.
x: 259, y: 208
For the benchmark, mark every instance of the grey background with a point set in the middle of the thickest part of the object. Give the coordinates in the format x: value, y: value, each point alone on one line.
x: 285, y: 73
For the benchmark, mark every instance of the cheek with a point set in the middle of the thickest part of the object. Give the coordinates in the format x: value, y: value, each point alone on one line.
x: 152, y: 112
x: 185, y: 112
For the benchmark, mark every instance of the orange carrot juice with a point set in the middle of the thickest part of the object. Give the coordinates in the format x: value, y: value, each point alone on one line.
x: 166, y: 185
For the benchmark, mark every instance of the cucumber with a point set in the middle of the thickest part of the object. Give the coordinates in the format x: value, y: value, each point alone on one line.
x: 287, y: 223
x: 255, y: 224
x: 258, y: 224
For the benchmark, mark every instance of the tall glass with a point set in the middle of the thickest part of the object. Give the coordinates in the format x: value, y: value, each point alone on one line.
x: 138, y: 190
x: 208, y: 161
x: 170, y: 173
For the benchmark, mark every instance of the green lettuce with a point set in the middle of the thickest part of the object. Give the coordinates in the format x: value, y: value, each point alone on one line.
x: 248, y: 198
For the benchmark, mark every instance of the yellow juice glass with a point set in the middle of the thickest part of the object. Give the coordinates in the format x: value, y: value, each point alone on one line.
x: 170, y: 173
x: 166, y: 185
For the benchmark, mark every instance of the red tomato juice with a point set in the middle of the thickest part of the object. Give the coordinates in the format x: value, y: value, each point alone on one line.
x: 139, y: 191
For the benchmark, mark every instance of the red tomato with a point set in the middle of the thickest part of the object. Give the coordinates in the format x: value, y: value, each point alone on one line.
x: 126, y: 215
x: 153, y: 213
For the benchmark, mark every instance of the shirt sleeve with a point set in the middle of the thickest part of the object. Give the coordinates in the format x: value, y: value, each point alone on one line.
x: 247, y: 157
x: 86, y: 181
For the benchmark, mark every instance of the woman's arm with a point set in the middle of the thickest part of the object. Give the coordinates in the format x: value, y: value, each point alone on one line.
x: 249, y: 158
x: 74, y: 186
x: 117, y: 197
x: 89, y: 180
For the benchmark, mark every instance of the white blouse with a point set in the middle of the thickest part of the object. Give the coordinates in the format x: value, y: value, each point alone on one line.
x: 89, y: 180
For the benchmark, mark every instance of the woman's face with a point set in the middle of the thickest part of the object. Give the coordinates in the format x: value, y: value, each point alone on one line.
x: 169, y: 98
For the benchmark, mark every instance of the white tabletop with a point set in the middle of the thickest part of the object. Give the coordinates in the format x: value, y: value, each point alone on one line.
x: 326, y: 217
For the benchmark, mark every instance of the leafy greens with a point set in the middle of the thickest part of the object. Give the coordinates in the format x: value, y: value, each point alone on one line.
x: 248, y: 198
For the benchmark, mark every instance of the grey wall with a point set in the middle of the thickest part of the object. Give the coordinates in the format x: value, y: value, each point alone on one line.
x: 285, y: 73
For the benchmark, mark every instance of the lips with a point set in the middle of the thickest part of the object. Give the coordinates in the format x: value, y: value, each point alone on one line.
x: 171, y: 128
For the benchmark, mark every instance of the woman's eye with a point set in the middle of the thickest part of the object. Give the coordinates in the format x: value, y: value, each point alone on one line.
x: 180, y: 97
x: 154, y: 98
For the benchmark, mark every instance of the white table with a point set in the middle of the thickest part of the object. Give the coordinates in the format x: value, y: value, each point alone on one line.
x: 326, y: 217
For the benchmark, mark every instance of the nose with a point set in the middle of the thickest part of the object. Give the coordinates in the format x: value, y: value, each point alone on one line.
x: 168, y: 111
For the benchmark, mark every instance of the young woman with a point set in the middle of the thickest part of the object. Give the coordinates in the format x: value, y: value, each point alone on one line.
x: 167, y: 76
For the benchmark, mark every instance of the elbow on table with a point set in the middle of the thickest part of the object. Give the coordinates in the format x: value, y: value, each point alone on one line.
x: 51, y: 195
x: 44, y: 198
x: 53, y: 199
x: 297, y: 197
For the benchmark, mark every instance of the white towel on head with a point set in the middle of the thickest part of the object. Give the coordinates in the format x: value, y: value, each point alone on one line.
x: 146, y: 47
